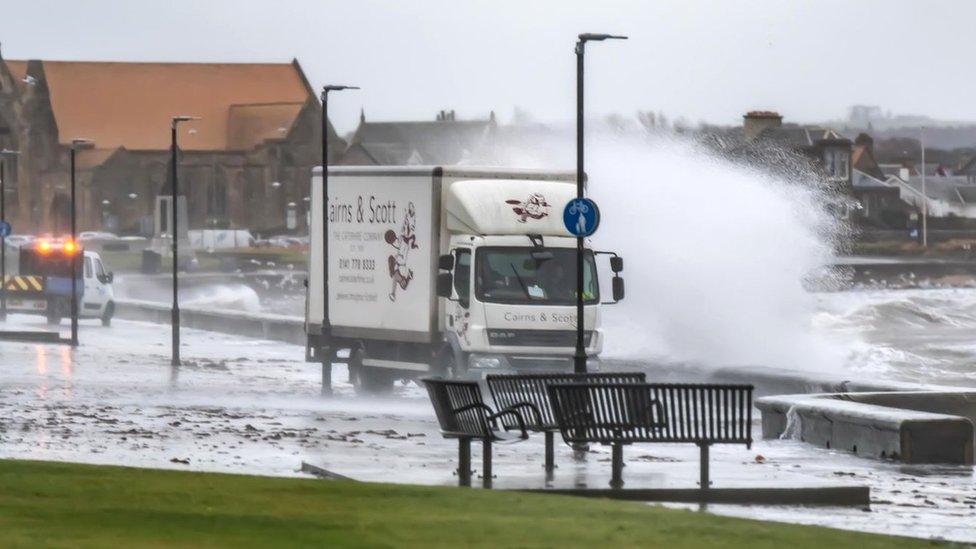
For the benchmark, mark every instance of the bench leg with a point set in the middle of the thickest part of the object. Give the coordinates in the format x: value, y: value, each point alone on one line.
x: 550, y: 452
x: 464, y: 462
x: 579, y: 451
x: 703, y: 481
x: 617, y: 478
x: 486, y: 463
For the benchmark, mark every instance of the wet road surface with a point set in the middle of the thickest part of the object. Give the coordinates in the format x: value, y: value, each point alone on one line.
x: 243, y: 405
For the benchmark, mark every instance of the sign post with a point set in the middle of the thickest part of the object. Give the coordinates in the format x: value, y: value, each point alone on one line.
x: 581, y: 216
x: 4, y: 233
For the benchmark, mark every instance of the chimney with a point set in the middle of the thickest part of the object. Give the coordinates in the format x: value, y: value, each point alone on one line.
x: 866, y: 141
x: 754, y: 123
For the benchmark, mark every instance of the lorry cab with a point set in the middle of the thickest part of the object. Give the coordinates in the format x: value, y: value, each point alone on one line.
x: 43, y: 283
x: 511, y: 303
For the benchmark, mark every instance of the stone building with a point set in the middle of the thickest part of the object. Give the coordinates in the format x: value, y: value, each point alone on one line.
x: 244, y: 164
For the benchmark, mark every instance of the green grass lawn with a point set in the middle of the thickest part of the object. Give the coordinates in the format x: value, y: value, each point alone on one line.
x: 71, y: 505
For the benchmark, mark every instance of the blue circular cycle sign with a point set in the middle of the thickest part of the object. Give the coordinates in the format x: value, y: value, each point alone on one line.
x: 4, y: 229
x: 581, y: 217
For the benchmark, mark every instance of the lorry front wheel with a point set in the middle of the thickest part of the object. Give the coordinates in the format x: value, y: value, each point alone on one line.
x: 365, y: 379
x: 453, y: 364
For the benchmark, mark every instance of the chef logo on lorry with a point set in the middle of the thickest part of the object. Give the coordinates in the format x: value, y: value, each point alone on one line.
x: 403, y: 243
x: 534, y: 207
x: 462, y: 321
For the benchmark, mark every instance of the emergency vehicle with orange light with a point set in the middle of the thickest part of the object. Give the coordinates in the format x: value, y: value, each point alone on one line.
x: 43, y: 284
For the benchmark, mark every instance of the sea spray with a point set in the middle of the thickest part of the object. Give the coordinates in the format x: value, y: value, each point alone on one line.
x: 794, y: 428
x: 228, y: 296
x: 717, y: 253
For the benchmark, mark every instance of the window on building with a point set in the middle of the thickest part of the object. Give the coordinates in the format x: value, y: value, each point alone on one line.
x: 163, y: 217
x: 253, y: 186
x: 10, y: 179
x: 829, y: 161
x: 217, y: 199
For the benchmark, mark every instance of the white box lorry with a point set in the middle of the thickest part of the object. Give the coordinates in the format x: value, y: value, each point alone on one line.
x: 456, y: 271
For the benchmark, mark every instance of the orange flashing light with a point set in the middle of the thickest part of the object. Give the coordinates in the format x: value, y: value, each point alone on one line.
x: 44, y: 246
x: 70, y: 247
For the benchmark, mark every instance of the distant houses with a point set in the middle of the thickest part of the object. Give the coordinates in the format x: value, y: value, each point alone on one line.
x: 445, y: 140
x: 882, y: 196
x: 817, y: 152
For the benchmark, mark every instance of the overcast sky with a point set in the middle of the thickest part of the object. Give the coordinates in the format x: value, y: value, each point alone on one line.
x: 703, y: 60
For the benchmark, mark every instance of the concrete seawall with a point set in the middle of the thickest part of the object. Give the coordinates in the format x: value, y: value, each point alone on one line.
x: 909, y: 427
x: 288, y: 329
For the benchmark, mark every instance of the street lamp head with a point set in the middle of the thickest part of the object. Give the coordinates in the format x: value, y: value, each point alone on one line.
x: 183, y: 118
x: 592, y: 37
x: 82, y: 143
x: 333, y: 87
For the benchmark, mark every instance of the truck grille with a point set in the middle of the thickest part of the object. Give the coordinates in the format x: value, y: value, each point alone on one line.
x: 536, y: 338
x: 541, y: 364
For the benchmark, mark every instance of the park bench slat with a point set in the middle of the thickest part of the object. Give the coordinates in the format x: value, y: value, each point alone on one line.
x: 628, y: 413
x: 518, y: 390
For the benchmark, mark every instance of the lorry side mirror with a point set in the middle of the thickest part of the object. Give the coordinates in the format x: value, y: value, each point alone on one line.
x: 445, y: 284
x: 618, y: 288
x: 111, y: 277
x: 445, y: 262
x: 616, y: 264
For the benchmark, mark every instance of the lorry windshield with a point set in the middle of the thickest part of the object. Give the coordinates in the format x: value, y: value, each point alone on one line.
x: 528, y: 275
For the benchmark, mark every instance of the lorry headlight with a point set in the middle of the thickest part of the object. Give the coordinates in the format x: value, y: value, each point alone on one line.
x: 487, y: 362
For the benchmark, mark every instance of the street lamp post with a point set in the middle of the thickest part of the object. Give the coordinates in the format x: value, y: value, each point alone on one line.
x: 326, y: 325
x: 174, y: 234
x: 78, y: 143
x: 3, y: 239
x: 925, y: 198
x: 579, y: 356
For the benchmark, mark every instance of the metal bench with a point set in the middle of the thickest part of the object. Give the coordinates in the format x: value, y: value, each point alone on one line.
x: 619, y: 414
x: 463, y: 415
x: 528, y: 393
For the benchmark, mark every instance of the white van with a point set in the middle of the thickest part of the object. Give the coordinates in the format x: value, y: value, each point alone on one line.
x: 43, y: 284
x: 98, y: 299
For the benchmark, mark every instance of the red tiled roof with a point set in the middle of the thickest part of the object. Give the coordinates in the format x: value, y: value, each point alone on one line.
x: 130, y: 105
x: 249, y: 125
